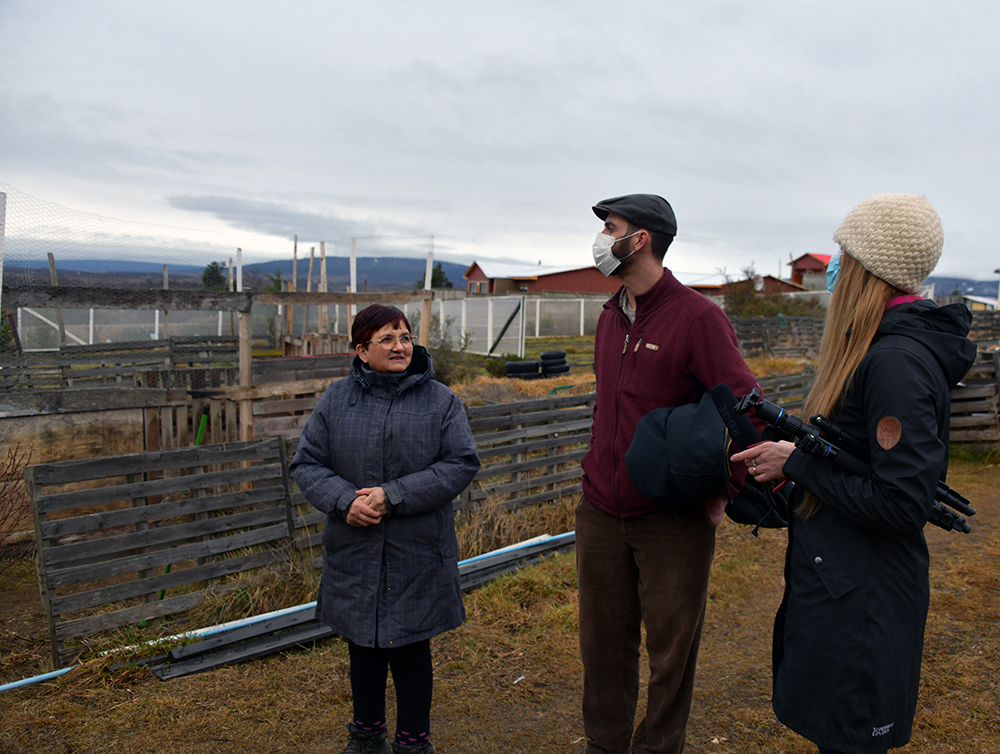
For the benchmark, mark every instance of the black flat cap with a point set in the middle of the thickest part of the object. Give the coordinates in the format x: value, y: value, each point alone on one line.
x: 648, y: 211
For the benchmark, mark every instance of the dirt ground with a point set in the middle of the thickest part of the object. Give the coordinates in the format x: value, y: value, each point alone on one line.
x: 509, y: 679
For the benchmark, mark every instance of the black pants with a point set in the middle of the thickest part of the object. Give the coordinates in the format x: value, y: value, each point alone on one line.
x: 412, y: 675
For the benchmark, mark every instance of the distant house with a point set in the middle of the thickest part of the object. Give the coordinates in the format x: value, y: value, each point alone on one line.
x: 979, y: 303
x: 499, y: 278
x: 762, y: 284
x: 809, y: 271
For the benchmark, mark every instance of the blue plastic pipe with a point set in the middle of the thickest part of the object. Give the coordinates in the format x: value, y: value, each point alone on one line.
x: 223, y: 627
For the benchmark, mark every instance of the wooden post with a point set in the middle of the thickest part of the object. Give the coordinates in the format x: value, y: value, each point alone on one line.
x: 54, y: 279
x: 292, y: 285
x: 425, y: 322
x: 3, y: 232
x: 166, y: 286
x: 229, y: 287
x: 322, y: 322
x: 354, y: 275
x: 246, y: 375
x: 309, y: 280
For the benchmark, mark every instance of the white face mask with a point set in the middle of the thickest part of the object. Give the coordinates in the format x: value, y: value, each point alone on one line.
x: 604, y: 260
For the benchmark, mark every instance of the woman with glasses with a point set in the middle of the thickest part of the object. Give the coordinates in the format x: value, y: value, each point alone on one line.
x: 385, y: 452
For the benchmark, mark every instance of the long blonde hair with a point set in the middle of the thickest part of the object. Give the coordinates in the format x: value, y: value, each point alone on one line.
x: 856, y: 310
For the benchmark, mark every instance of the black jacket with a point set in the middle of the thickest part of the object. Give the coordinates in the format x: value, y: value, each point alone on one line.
x: 848, y: 636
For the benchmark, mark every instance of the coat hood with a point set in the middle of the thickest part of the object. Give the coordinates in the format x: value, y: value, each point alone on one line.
x: 421, y: 370
x: 942, y: 330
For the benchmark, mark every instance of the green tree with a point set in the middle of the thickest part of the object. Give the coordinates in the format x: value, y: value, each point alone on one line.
x: 275, y: 281
x: 438, y: 278
x: 214, y: 277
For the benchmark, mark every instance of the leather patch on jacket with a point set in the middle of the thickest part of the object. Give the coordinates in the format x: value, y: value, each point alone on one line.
x: 889, y: 432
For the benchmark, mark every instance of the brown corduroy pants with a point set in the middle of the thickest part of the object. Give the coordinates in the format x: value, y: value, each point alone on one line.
x: 651, y: 569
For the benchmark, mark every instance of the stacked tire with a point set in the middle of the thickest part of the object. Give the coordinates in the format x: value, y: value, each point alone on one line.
x: 554, y: 363
x: 523, y: 370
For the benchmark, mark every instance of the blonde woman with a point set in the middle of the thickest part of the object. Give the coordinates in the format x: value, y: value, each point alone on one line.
x: 848, y: 636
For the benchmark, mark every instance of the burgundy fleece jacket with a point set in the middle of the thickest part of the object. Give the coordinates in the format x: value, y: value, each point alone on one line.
x: 681, y: 345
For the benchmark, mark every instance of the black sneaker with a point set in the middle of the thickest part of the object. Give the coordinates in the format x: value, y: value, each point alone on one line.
x: 426, y: 748
x: 363, y: 742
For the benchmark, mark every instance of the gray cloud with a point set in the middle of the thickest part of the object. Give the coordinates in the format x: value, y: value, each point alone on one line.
x: 494, y: 127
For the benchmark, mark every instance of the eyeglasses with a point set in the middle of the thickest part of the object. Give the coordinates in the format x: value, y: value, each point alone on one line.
x: 389, y: 341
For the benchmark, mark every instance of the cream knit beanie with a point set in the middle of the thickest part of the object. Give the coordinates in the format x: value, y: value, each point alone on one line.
x: 896, y: 237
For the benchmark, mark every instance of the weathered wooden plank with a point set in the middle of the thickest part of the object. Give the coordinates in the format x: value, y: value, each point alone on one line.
x: 981, y: 420
x: 534, y: 463
x: 475, y: 412
x: 970, y: 392
x: 101, y: 495
x: 560, y: 440
x: 160, y: 558
x: 560, y: 416
x: 140, y: 587
x: 308, y: 541
x: 257, y: 392
x: 312, y: 298
x: 61, y: 527
x: 974, y: 407
x: 164, y: 536
x: 313, y: 518
x: 534, y: 431
x: 71, y: 629
x: 289, y: 405
x: 544, y: 497
x: 525, y: 484
x: 284, y: 426
x: 975, y: 435
x: 89, y: 297
x: 141, y: 463
x: 18, y: 402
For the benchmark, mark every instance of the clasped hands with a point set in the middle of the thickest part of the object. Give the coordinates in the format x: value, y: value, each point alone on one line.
x: 367, y: 508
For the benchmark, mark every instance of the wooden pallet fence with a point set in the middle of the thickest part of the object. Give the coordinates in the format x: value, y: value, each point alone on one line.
x: 307, y: 520
x: 285, y: 417
x: 797, y: 337
x: 530, y: 450
x: 132, y: 538
x: 985, y: 327
x: 974, y: 403
x: 116, y: 363
x: 788, y: 391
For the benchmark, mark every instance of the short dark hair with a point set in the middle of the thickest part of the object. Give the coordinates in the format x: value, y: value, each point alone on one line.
x: 658, y: 242
x: 373, y: 318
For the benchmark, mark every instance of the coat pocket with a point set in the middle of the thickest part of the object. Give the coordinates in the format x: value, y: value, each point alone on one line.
x: 831, y: 569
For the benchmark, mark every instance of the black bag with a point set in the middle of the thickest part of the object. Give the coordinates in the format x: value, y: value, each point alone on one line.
x: 757, y: 505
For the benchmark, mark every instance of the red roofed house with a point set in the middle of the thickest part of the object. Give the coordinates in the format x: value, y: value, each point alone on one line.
x: 809, y: 271
x: 498, y: 278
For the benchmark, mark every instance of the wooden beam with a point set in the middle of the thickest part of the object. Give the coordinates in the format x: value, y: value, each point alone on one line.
x: 316, y: 297
x: 73, y: 297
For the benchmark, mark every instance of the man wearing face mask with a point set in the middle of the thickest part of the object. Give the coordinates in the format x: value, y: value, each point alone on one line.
x: 658, y: 344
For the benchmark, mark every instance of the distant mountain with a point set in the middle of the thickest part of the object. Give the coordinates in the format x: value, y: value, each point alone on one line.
x: 108, y: 265
x: 945, y: 286
x: 378, y: 273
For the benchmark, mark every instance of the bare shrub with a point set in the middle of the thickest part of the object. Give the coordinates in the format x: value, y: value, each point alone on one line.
x: 15, y: 508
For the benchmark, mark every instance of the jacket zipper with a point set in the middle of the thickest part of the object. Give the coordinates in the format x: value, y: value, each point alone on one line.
x: 618, y: 392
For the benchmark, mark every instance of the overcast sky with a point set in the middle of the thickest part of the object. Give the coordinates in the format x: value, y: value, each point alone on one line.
x: 494, y: 127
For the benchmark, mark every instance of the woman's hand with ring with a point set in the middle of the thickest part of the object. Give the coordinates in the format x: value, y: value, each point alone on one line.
x: 765, y: 460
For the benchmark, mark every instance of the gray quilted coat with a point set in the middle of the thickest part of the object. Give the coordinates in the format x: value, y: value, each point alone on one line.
x: 395, y: 582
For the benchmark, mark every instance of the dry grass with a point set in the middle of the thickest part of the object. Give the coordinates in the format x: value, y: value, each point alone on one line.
x: 509, y: 679
x: 775, y: 366
x: 491, y: 526
x: 484, y: 390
